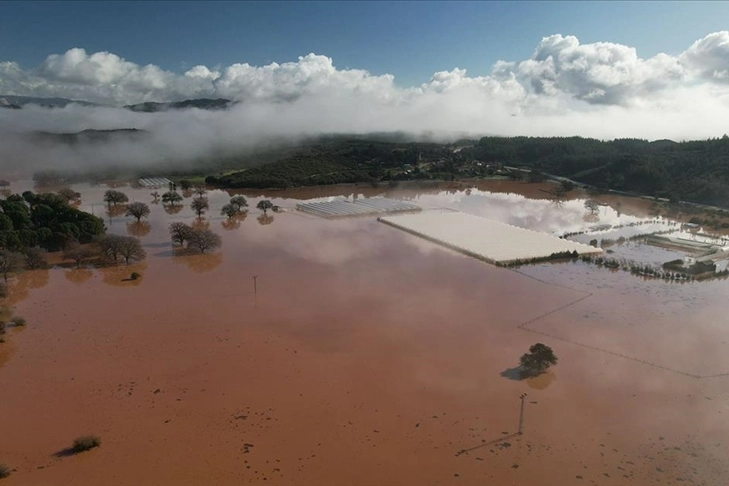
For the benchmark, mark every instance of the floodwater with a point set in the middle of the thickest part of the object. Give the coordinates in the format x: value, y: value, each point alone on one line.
x: 366, y: 357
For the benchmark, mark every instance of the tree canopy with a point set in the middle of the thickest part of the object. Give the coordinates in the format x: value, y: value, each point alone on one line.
x: 538, y: 360
x: 44, y: 220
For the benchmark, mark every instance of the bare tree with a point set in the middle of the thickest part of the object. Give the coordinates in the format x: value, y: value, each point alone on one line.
x: 110, y: 246
x: 68, y: 194
x: 239, y: 202
x: 10, y: 262
x: 200, y: 190
x: 592, y: 206
x: 204, y: 240
x: 180, y: 233
x: 138, y: 209
x: 155, y: 196
x: 264, y: 205
x: 131, y: 248
x: 77, y: 253
x: 35, y: 258
x: 229, y: 210
x: 199, y: 205
x: 115, y: 197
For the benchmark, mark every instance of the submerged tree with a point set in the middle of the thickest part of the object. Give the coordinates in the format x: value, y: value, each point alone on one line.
x: 592, y: 206
x: 538, y: 360
x: 10, y: 262
x: 115, y: 197
x: 229, y: 210
x: 34, y: 257
x: 77, y: 253
x: 138, y: 209
x: 180, y: 233
x: 199, y: 205
x: 171, y: 198
x: 264, y: 205
x: 239, y: 202
x: 204, y: 240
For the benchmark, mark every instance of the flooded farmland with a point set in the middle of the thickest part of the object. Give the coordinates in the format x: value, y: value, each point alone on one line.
x: 366, y: 356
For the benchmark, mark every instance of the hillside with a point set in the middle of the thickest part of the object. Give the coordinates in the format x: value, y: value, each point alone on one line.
x: 696, y: 171
x: 89, y: 136
x: 202, y: 104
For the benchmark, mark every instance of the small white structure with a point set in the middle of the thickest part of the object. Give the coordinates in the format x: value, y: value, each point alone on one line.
x: 359, y: 207
x: 154, y: 182
x: 488, y: 240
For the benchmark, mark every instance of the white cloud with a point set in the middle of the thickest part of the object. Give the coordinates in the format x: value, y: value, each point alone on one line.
x: 602, y: 90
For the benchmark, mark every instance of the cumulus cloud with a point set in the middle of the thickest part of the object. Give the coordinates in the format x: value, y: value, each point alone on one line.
x: 603, y: 90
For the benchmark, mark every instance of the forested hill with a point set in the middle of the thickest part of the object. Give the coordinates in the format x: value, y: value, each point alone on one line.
x: 696, y: 171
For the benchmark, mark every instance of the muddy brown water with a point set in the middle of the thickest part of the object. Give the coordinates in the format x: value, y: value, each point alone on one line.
x: 367, y: 357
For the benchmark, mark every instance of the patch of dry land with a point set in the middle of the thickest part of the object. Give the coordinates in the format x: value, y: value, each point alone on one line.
x: 367, y: 357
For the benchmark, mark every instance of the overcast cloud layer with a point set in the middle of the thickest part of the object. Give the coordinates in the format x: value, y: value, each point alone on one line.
x: 602, y: 90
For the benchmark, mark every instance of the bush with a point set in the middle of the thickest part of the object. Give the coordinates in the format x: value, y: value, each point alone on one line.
x: 18, y: 321
x: 85, y: 443
x: 4, y: 471
x: 135, y: 276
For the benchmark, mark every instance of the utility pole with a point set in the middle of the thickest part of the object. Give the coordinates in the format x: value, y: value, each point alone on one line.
x: 521, y: 413
x: 255, y: 285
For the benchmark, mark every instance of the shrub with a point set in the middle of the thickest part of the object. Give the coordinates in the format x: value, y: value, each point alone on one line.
x: 4, y: 471
x: 18, y: 321
x: 85, y: 443
x: 135, y: 276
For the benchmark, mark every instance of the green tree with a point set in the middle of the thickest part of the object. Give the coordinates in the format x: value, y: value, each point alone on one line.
x: 115, y: 197
x: 264, y: 205
x: 538, y: 360
x: 171, y: 198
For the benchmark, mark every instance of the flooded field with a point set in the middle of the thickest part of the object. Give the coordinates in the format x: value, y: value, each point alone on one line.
x: 367, y: 356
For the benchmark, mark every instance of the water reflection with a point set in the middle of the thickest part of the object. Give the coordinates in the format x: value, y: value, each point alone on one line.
x: 199, y: 263
x: 173, y: 209
x: 114, y: 211
x: 139, y: 228
x: 78, y: 275
x: 542, y: 381
x: 200, y: 224
x: 265, y: 219
x: 20, y: 286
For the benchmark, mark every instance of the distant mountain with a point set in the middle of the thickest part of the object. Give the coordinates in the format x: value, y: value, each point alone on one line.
x: 9, y: 101
x: 90, y: 136
x: 202, y: 104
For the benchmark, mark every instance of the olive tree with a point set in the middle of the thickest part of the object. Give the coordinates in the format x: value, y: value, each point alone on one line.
x: 264, y: 205
x: 171, y: 198
x: 199, y: 190
x: 239, y: 202
x: 538, y: 360
x: 229, y: 210
x: 138, y: 209
x: 199, y: 205
x: 115, y: 197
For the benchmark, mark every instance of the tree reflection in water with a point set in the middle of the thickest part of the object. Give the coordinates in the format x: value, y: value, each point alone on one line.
x: 265, y: 219
x: 235, y: 221
x: 78, y: 275
x: 139, y: 228
x: 19, y: 287
x: 173, y: 209
x: 199, y: 263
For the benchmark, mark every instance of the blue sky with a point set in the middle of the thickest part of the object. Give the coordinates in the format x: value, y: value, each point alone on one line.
x: 410, y: 40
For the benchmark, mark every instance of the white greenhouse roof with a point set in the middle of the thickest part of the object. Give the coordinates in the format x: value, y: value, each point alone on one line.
x: 482, y: 238
x: 154, y: 182
x: 360, y: 207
